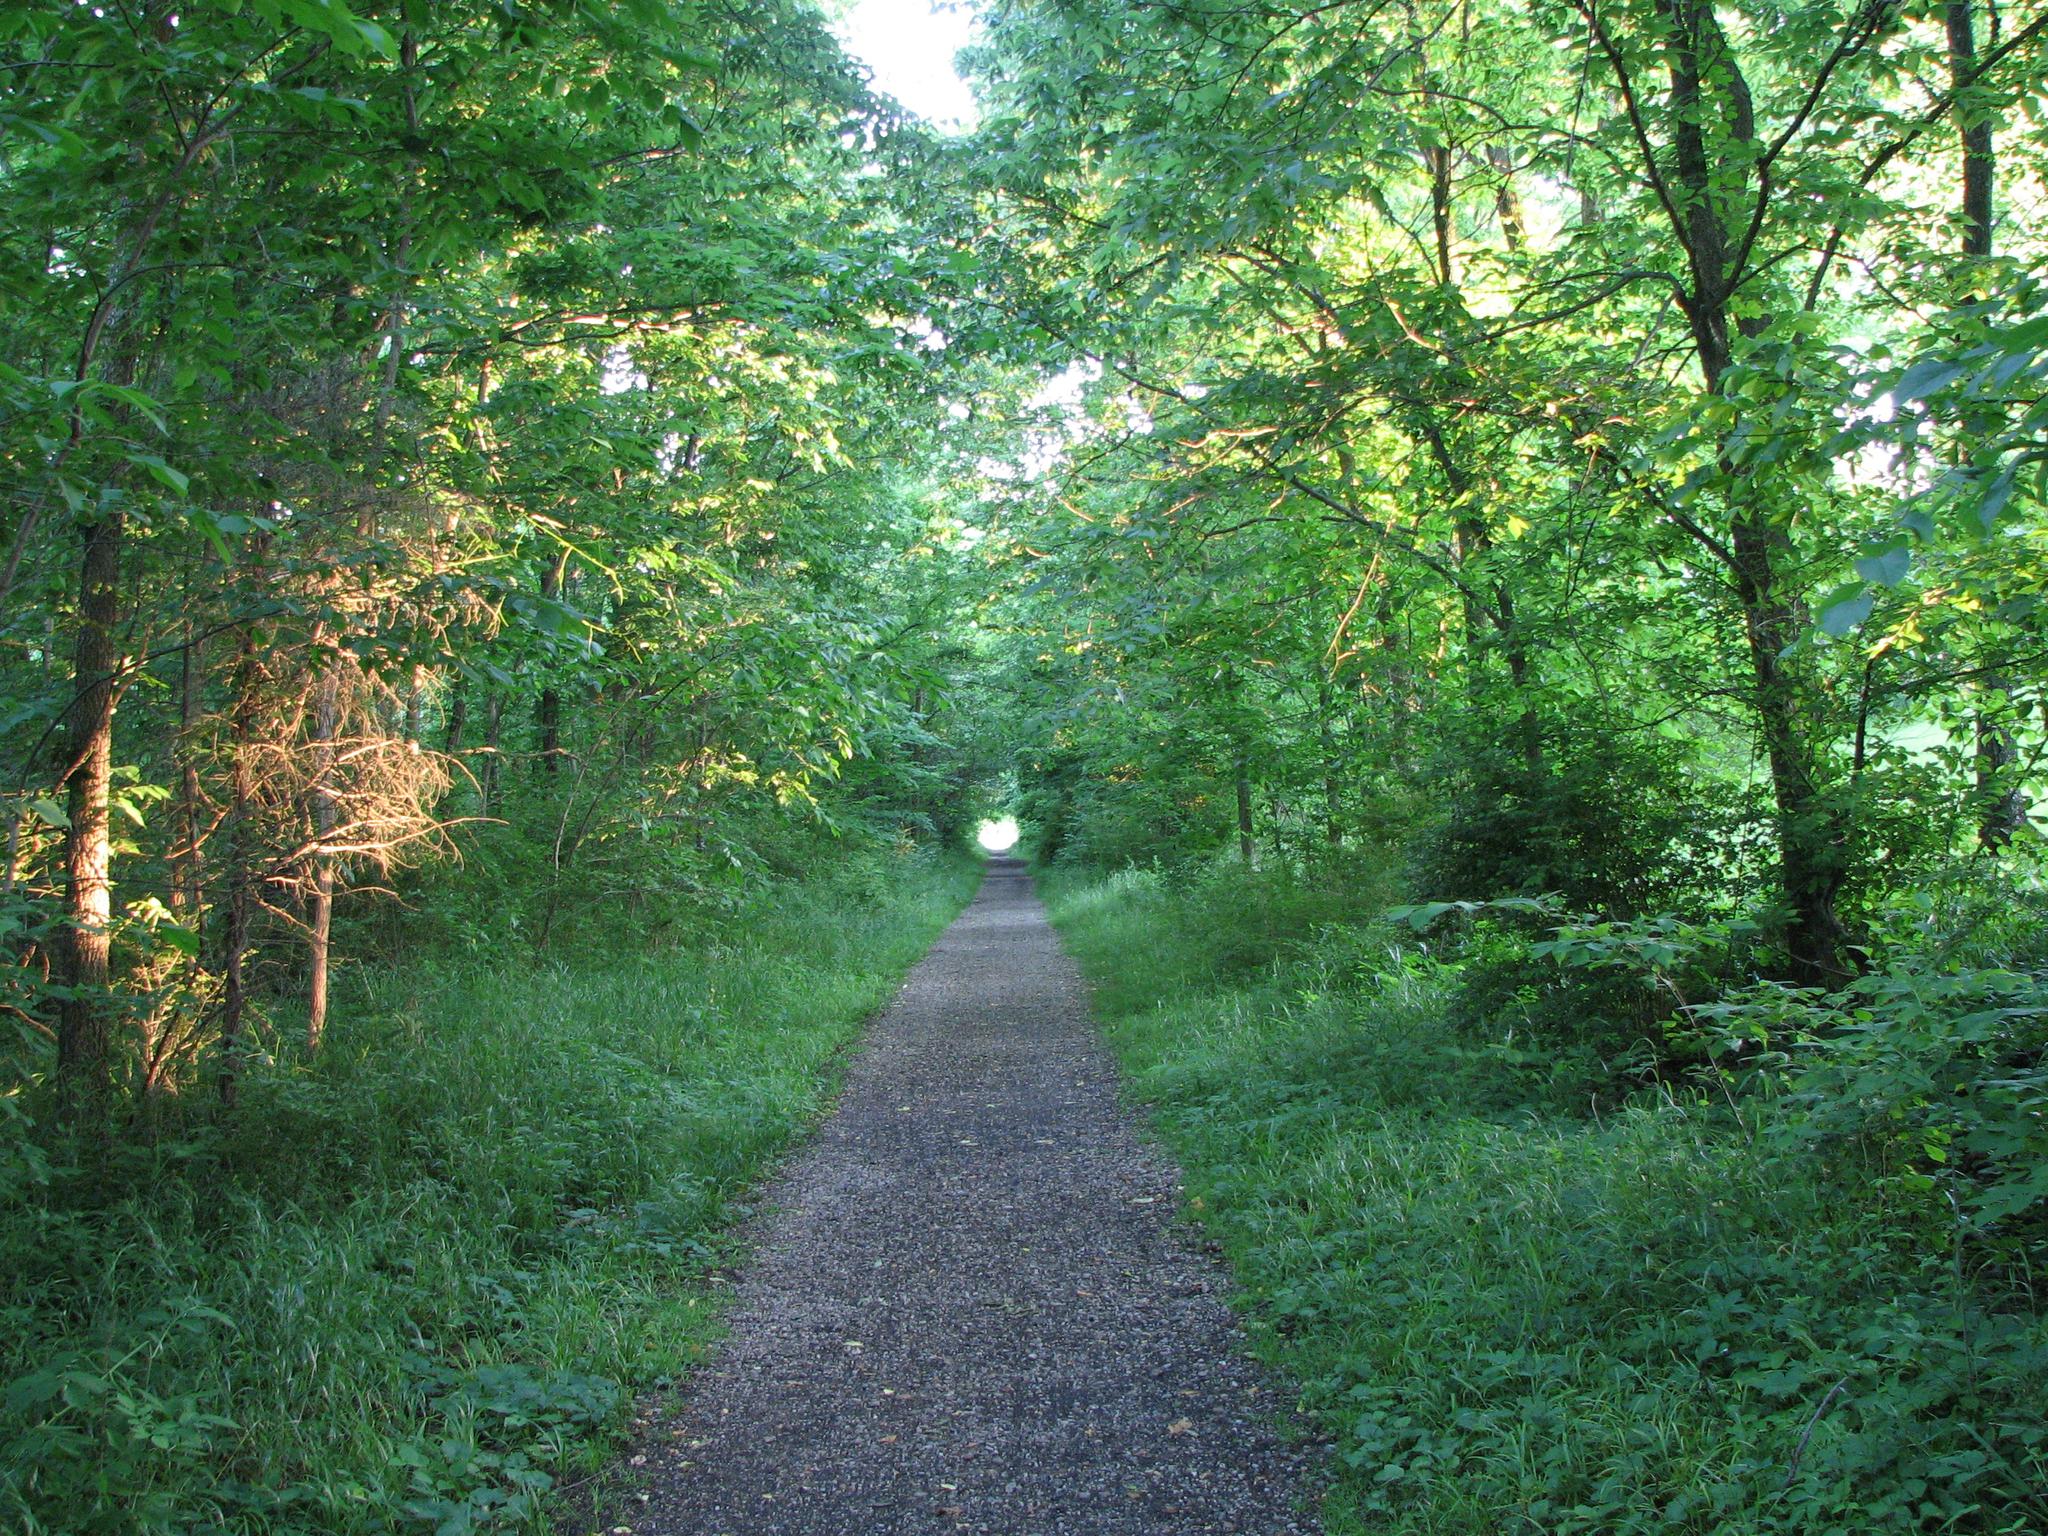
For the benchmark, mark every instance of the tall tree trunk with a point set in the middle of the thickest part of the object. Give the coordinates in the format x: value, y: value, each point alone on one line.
x: 2002, y: 806
x: 320, y: 917
x: 1333, y: 826
x: 84, y: 1017
x: 415, y: 704
x: 240, y: 857
x: 458, y: 715
x: 1707, y: 85
x: 494, y: 715
x: 187, y: 872
x: 1243, y: 777
x: 1979, y: 163
x: 548, y: 714
x: 1435, y: 156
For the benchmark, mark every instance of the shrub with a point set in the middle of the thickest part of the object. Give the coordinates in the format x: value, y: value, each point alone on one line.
x: 1596, y: 824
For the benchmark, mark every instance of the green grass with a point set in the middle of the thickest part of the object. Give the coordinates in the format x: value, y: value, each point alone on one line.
x: 1510, y: 1319
x: 416, y: 1287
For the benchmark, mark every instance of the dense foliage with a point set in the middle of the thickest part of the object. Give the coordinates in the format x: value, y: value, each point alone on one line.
x: 1562, y: 482
x: 1594, y: 452
x: 1513, y: 1302
x: 425, y: 415
x: 473, y: 686
x: 495, y: 484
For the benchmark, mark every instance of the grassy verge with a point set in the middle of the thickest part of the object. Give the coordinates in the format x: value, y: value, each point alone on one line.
x: 1513, y: 1319
x: 414, y: 1288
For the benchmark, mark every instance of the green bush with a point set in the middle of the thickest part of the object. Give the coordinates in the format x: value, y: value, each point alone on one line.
x: 1686, y: 1314
x: 1595, y: 824
x: 409, y: 1286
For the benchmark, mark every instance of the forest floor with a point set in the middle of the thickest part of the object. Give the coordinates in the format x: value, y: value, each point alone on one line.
x: 970, y: 1310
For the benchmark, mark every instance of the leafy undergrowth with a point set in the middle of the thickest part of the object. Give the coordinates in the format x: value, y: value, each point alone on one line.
x: 1512, y: 1318
x: 414, y: 1288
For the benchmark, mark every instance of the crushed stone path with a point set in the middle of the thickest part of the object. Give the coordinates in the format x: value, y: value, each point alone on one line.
x: 969, y: 1311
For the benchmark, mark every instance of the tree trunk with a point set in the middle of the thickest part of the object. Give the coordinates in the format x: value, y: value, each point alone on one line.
x: 240, y: 851
x: 415, y: 704
x: 187, y: 872
x: 458, y: 715
x: 2001, y: 806
x: 1244, y: 809
x: 1811, y: 848
x: 548, y: 715
x: 1333, y: 827
x: 494, y: 714
x: 1979, y: 165
x: 320, y: 918
x: 84, y: 1019
x: 1708, y: 87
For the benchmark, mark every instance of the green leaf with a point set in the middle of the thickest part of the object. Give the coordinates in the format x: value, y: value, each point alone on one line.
x: 1996, y: 497
x: 1888, y: 563
x: 1925, y: 378
x: 176, y: 480
x: 210, y: 527
x: 1846, y: 608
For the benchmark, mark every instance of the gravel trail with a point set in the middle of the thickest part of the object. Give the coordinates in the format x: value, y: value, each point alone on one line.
x: 969, y: 1311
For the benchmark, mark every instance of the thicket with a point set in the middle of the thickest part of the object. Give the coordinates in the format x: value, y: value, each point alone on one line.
x: 476, y: 701
x: 1589, y: 459
x: 423, y: 417
x: 1516, y: 1298
x: 416, y: 1283
x: 1571, y: 476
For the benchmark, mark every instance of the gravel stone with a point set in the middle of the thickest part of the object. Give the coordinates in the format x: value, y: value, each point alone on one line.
x: 969, y: 1311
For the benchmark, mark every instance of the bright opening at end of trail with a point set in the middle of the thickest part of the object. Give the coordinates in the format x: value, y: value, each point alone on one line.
x: 998, y: 836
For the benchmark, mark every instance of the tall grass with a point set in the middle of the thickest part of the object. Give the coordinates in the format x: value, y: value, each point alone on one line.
x: 1512, y: 1319
x: 414, y: 1287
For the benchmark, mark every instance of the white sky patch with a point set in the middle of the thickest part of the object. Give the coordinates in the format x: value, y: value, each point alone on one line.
x: 998, y: 836
x: 1043, y: 448
x: 909, y: 47
x: 620, y: 372
x: 1064, y: 389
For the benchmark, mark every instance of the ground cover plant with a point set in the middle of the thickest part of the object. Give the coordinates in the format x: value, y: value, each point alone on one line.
x: 1517, y: 1302
x: 416, y: 1283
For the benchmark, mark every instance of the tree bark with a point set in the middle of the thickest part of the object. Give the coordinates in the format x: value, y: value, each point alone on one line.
x: 240, y: 852
x: 84, y: 1019
x: 548, y: 713
x: 320, y: 917
x: 1333, y: 826
x: 187, y: 871
x: 458, y: 715
x: 2001, y: 805
x: 494, y: 714
x: 1243, y: 777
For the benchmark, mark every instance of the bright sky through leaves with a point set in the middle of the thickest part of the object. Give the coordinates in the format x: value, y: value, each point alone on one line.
x: 909, y: 45
x: 998, y: 836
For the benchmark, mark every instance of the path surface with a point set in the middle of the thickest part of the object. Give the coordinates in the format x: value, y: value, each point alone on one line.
x: 969, y: 1312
